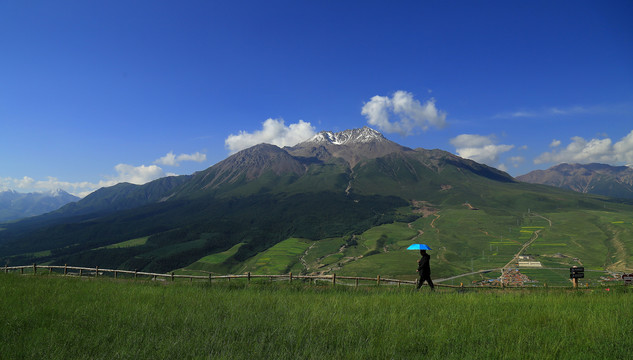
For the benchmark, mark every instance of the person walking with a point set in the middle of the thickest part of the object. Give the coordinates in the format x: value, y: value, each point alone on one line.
x: 424, y: 270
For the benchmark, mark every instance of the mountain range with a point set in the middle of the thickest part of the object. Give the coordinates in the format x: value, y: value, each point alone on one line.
x: 601, y: 179
x: 15, y: 205
x: 346, y: 200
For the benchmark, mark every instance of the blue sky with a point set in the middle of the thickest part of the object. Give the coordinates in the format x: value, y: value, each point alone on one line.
x: 97, y: 92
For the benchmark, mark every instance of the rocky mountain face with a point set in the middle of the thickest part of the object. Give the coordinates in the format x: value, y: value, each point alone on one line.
x: 599, y: 179
x: 342, y: 161
x: 246, y: 165
x: 15, y: 205
x: 350, y: 145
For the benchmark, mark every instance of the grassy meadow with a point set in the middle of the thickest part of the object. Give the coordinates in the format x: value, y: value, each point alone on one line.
x: 54, y: 317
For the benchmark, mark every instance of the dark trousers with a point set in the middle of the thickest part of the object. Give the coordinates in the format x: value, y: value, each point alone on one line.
x: 427, y: 278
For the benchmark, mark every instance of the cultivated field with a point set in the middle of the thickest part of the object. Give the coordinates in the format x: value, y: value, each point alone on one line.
x: 464, y: 241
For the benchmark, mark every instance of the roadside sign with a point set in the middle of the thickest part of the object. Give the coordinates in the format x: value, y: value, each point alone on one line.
x: 576, y: 272
x: 628, y: 278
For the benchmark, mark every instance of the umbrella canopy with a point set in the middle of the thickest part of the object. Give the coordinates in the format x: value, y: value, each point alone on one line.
x: 419, y: 247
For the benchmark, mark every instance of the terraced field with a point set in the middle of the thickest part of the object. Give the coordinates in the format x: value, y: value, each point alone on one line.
x: 463, y: 241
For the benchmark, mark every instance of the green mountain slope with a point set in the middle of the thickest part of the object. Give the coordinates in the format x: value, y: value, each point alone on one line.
x: 349, y: 203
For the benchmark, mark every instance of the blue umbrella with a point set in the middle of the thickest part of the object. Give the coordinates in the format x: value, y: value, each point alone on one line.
x: 419, y: 247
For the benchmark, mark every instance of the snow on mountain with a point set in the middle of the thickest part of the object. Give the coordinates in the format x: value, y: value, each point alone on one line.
x: 352, y: 145
x: 348, y: 137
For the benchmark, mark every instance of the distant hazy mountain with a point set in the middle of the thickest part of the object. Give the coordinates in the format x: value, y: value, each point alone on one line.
x: 15, y: 205
x: 599, y: 179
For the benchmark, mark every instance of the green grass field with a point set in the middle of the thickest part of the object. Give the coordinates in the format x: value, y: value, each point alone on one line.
x: 462, y: 240
x: 127, y: 244
x: 54, y: 317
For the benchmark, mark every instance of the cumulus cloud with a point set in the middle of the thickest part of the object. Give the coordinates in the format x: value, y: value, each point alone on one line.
x: 28, y: 184
x: 554, y: 143
x: 594, y: 150
x: 137, y: 174
x: 274, y: 132
x: 9, y: 183
x: 402, y: 114
x: 479, y: 148
x: 124, y: 173
x: 170, y: 159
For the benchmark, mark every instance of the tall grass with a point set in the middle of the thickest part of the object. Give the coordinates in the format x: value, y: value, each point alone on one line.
x: 50, y: 317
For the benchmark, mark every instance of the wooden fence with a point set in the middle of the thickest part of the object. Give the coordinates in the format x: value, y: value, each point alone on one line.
x: 96, y: 272
x: 333, y: 278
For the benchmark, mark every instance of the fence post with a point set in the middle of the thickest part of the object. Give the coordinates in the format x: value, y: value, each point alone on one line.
x: 378, y: 280
x: 135, y: 273
x: 290, y: 277
x: 65, y: 269
x: 398, y: 283
x: 34, y: 269
x: 357, y: 282
x: 115, y: 274
x: 81, y: 271
x: 172, y: 277
x: 6, y: 270
x: 22, y: 271
x: 333, y: 278
x: 248, y: 275
x: 50, y: 270
x: 96, y: 271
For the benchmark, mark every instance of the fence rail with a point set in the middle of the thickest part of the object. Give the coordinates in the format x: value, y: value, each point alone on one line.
x: 333, y: 278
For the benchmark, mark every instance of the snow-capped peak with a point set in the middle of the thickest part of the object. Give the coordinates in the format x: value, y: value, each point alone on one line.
x: 347, y: 137
x: 57, y: 193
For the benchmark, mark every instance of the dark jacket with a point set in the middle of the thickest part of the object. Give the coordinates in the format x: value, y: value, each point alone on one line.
x: 424, y: 266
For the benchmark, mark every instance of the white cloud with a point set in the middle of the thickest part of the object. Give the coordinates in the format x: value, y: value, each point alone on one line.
x: 479, y: 148
x: 561, y: 111
x: 9, y: 183
x: 170, y: 159
x: 28, y: 184
x: 552, y: 111
x: 273, y: 131
x: 554, y: 143
x: 25, y: 182
x: 594, y: 150
x: 125, y: 173
x: 137, y: 174
x: 402, y: 113
x: 517, y: 160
